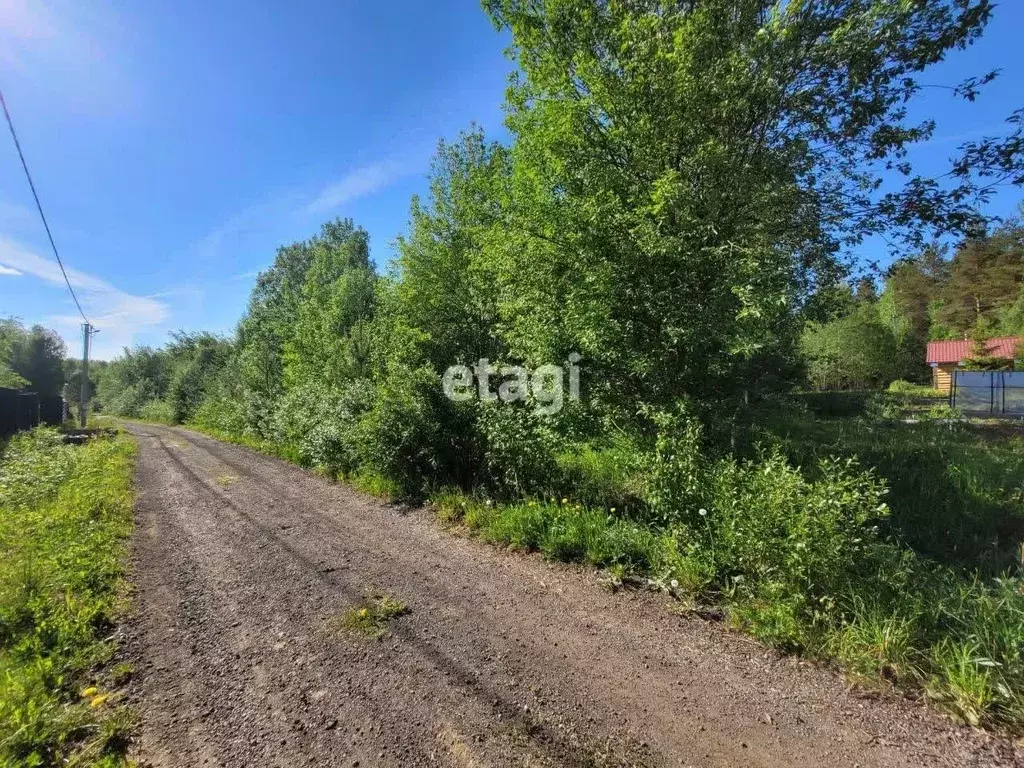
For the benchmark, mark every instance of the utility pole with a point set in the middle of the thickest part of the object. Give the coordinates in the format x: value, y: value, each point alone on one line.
x: 83, y: 403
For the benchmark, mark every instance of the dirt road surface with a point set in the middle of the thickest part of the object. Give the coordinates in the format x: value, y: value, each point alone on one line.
x: 242, y: 561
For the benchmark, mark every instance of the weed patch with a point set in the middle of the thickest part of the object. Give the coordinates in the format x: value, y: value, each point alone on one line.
x: 371, y: 618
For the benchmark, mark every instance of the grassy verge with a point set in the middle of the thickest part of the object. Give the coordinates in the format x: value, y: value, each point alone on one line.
x: 65, y: 515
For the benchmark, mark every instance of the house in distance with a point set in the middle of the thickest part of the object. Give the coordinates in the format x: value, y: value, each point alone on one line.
x: 944, y: 357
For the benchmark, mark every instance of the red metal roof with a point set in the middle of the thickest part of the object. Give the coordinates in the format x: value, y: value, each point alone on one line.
x: 959, y: 350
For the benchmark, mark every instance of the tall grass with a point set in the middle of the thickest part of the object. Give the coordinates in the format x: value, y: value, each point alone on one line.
x: 956, y: 490
x: 65, y: 515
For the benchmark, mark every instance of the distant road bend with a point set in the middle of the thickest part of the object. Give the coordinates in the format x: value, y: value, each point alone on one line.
x: 242, y: 561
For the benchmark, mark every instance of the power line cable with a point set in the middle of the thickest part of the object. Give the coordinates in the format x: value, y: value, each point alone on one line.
x: 39, y: 206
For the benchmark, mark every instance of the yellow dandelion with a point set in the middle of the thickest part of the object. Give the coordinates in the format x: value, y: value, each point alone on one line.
x: 363, y: 613
x: 97, y: 701
x: 89, y: 692
x: 613, y: 509
x: 565, y: 501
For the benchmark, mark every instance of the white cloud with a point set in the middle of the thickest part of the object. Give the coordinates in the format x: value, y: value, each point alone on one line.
x: 14, y: 217
x: 359, y: 183
x: 5, y: 270
x: 247, y: 228
x: 120, y: 315
x: 288, y: 214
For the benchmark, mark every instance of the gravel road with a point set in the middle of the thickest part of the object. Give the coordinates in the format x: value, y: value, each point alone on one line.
x: 242, y: 562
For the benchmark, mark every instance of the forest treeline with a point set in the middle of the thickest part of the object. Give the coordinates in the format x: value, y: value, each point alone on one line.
x: 681, y: 185
x: 858, y: 337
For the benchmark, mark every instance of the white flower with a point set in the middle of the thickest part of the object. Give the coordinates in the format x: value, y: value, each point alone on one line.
x: 702, y: 512
x: 674, y: 583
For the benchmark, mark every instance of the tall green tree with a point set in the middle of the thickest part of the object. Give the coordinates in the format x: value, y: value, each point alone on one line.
x: 446, y: 286
x: 985, y: 278
x: 915, y: 284
x: 854, y: 352
x: 10, y: 330
x: 31, y: 357
x: 329, y: 338
x: 196, y: 360
x: 684, y: 173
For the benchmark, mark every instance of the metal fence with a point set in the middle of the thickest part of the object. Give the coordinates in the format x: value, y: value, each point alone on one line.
x: 988, y: 393
x: 25, y: 410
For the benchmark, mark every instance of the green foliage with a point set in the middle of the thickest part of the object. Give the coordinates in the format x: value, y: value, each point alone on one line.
x: 854, y: 352
x: 682, y: 176
x: 157, y: 410
x: 985, y: 278
x: 980, y: 358
x: 956, y: 494
x: 678, y: 474
x: 196, y: 360
x: 329, y: 340
x: 608, y: 476
x: 517, y: 450
x: 785, y: 535
x: 65, y: 514
x: 400, y: 436
x: 447, y: 292
x: 31, y: 357
x: 321, y: 420
x: 10, y: 379
x: 901, y: 387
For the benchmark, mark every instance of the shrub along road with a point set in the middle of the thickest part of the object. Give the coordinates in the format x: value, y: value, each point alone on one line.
x: 249, y: 569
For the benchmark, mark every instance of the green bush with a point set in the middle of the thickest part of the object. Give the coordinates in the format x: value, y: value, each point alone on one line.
x: 129, y: 401
x: 401, y: 436
x: 956, y: 495
x: 517, y: 450
x: 773, y: 533
x: 677, y: 473
x: 222, y: 413
x: 320, y: 420
x: 900, y: 387
x: 605, y: 476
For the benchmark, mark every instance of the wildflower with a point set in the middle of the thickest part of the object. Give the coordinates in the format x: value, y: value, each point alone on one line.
x: 97, y: 701
x: 489, y: 502
x: 702, y: 512
x: 565, y: 501
x: 89, y: 692
x: 674, y: 583
x: 612, y: 510
x: 363, y: 613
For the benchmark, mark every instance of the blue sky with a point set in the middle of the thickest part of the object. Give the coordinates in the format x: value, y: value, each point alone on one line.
x: 176, y: 144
